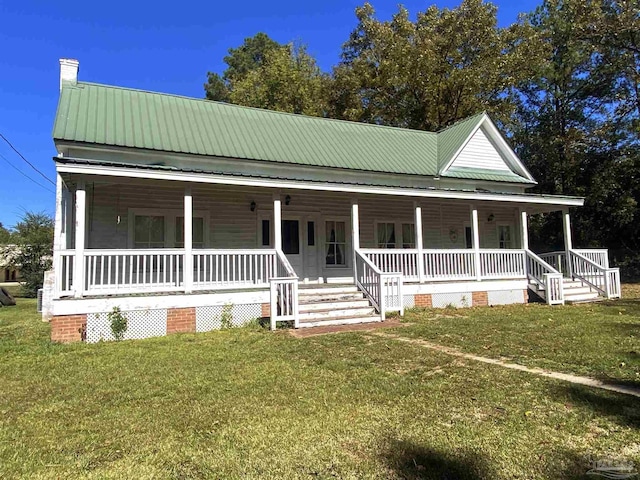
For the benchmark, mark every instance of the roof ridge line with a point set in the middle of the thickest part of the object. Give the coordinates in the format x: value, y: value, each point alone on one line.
x: 235, y: 105
x: 484, y: 112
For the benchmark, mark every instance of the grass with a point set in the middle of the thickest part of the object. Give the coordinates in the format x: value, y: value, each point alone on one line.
x: 596, y: 339
x: 248, y: 403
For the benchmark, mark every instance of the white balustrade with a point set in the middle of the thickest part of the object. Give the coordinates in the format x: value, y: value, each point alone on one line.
x: 383, y: 289
x: 546, y: 277
x: 502, y: 263
x: 64, y: 273
x: 284, y: 292
x: 604, y: 280
x: 130, y: 271
x: 395, y: 260
x: 449, y: 265
x: 215, y: 269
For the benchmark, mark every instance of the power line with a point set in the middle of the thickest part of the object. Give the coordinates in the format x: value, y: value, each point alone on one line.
x: 24, y: 174
x: 22, y: 157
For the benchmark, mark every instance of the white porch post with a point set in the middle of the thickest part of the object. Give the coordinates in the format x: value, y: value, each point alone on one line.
x: 81, y: 215
x: 188, y: 240
x: 277, y: 223
x: 355, y: 233
x: 568, y: 245
x: 58, y: 244
x: 419, y: 244
x: 476, y: 241
x: 524, y: 230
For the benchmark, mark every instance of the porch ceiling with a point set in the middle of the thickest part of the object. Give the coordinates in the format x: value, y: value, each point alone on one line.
x: 535, y: 203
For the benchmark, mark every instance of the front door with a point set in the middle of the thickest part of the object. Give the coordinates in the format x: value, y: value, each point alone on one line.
x: 292, y: 244
x: 311, y: 261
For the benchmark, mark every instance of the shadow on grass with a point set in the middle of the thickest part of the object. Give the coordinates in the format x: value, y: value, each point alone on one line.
x: 410, y: 461
x: 623, y: 409
x: 631, y: 306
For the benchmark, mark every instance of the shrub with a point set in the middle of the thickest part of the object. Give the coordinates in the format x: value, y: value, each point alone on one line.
x: 118, y: 323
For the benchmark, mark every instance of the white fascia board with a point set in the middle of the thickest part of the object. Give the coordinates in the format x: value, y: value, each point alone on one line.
x: 319, y: 186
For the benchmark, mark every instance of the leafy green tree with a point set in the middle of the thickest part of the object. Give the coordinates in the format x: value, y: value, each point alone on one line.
x: 34, y: 250
x: 288, y: 80
x: 240, y: 61
x: 5, y: 235
x: 426, y: 74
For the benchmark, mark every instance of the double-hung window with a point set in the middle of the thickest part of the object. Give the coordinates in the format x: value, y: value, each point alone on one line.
x: 336, y: 243
x: 386, y: 235
x: 149, y: 231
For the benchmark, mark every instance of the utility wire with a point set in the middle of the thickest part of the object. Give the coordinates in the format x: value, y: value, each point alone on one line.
x: 24, y: 174
x: 30, y: 164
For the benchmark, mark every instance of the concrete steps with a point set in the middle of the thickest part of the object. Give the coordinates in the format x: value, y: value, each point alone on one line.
x: 334, y: 305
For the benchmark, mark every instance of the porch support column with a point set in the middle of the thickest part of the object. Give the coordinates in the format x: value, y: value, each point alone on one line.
x: 524, y: 230
x: 58, y: 243
x: 475, y: 230
x: 419, y: 244
x: 355, y: 233
x: 568, y: 245
x: 188, y: 240
x: 277, y: 223
x: 81, y: 215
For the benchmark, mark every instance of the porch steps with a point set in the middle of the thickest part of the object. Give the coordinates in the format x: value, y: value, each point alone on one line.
x: 328, y: 305
x: 574, y: 292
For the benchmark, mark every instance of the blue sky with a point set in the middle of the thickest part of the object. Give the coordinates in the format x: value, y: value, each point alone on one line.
x: 166, y: 48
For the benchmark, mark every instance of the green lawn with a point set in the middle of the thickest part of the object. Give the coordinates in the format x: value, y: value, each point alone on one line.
x: 248, y: 403
x: 597, y: 339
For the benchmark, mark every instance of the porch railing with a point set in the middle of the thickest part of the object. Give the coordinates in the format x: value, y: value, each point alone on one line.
x: 216, y: 269
x: 546, y: 277
x: 383, y: 289
x: 605, y: 280
x: 64, y: 272
x: 125, y: 271
x: 558, y: 259
x: 399, y: 260
x: 449, y: 264
x: 284, y: 292
x: 502, y: 263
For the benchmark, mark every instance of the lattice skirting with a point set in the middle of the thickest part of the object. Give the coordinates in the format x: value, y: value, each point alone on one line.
x: 211, y: 318
x: 140, y: 324
x: 458, y: 300
x: 408, y: 301
x: 153, y: 323
x: 465, y: 299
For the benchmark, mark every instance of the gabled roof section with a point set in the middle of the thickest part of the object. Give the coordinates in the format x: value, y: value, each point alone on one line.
x: 474, y: 148
x: 95, y: 114
x: 100, y: 114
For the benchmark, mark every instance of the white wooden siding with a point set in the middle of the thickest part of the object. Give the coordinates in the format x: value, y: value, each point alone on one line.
x: 480, y: 152
x: 232, y: 224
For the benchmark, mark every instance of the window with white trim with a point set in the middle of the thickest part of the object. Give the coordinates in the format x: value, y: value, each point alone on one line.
x: 504, y: 236
x: 197, y: 232
x: 408, y: 235
x: 149, y: 231
x: 386, y: 235
x: 335, y: 243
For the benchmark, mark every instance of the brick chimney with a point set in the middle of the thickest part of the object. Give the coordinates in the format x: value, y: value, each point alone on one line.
x: 68, y: 71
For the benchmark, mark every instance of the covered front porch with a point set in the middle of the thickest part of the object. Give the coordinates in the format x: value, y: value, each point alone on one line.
x: 125, y: 236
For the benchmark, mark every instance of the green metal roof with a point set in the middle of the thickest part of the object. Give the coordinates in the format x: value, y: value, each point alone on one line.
x: 485, y: 174
x: 115, y: 116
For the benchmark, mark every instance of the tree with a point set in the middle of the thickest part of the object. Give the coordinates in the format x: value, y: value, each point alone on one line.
x: 578, y: 118
x: 287, y: 80
x: 240, y: 61
x: 429, y: 73
x: 34, y: 250
x: 265, y: 74
x: 5, y: 235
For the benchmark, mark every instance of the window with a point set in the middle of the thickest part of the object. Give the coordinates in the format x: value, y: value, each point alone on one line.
x: 468, y: 237
x: 408, y: 235
x: 386, y: 235
x: 198, y: 232
x: 266, y: 233
x: 336, y: 243
x: 148, y: 231
x: 291, y: 237
x: 311, y: 234
x: 504, y: 236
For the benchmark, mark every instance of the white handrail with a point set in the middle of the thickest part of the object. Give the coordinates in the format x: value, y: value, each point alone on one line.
x: 284, y: 292
x: 604, y: 280
x: 546, y: 277
x: 383, y: 289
